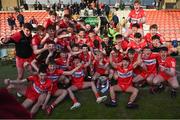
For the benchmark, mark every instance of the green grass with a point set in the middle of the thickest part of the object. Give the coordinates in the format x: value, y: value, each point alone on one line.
x: 160, y: 105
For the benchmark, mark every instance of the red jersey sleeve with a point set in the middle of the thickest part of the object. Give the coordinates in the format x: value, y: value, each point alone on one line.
x: 130, y: 14
x: 35, y: 40
x: 131, y: 44
x: 47, y: 22
x: 59, y: 72
x: 124, y: 44
x: 32, y: 78
x: 172, y: 62
x: 16, y: 37
x: 49, y: 85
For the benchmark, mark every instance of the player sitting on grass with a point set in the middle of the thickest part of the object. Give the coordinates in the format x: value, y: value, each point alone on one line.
x: 167, y: 71
x: 37, y: 92
x: 55, y: 75
x: 149, y: 64
x: 79, y: 83
x: 124, y: 76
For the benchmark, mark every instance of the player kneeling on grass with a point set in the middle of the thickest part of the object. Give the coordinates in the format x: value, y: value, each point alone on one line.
x: 55, y: 75
x: 38, y: 92
x: 149, y: 65
x: 167, y: 71
x: 79, y: 83
x: 124, y: 76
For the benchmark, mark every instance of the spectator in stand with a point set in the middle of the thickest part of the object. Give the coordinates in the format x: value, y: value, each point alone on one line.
x: 20, y: 19
x: 33, y: 21
x: 11, y: 22
x: 35, y: 6
x: 107, y: 10
x: 39, y: 6
x: 82, y: 4
x: 54, y: 7
x: 26, y: 6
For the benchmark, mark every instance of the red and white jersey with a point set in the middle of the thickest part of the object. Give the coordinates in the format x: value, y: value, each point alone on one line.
x: 61, y: 63
x: 131, y: 37
x: 85, y: 57
x: 38, y: 86
x: 78, y: 76
x: 63, y: 42
x: 151, y: 63
x: 81, y: 41
x: 137, y: 46
x: 117, y: 59
x: 36, y: 40
x: 125, y: 76
x: 63, y: 24
x: 170, y: 62
x: 148, y: 37
x: 91, y: 41
x: 138, y: 69
x: 123, y: 44
x: 54, y: 76
x: 47, y: 22
x: 98, y: 67
x: 135, y: 17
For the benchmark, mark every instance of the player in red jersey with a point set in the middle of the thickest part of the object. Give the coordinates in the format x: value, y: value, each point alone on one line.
x: 62, y: 61
x: 81, y: 38
x: 167, y: 71
x: 133, y: 56
x: 135, y: 29
x: 55, y: 75
x: 124, y: 77
x: 38, y: 91
x: 121, y: 44
x: 37, y: 40
x: 51, y: 20
x: 101, y: 64
x: 153, y: 31
x: 92, y: 36
x: 64, y: 23
x: 85, y: 56
x: 42, y: 58
x: 149, y: 64
x: 116, y: 58
x: 79, y: 83
x: 24, y: 51
x: 137, y: 15
x: 138, y: 43
x: 63, y: 40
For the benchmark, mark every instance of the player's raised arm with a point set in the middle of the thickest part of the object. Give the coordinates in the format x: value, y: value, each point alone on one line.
x: 73, y: 70
x: 8, y: 81
x: 114, y: 65
x: 89, y: 62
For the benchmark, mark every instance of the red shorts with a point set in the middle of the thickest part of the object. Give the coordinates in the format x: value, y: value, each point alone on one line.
x: 146, y: 74
x: 31, y: 94
x: 54, y: 89
x: 78, y: 85
x: 124, y: 87
x: 164, y: 76
x: 20, y: 61
x: 101, y: 72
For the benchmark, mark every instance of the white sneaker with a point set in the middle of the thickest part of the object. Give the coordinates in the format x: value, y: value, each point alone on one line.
x: 75, y: 105
x: 101, y: 99
x: 19, y: 94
